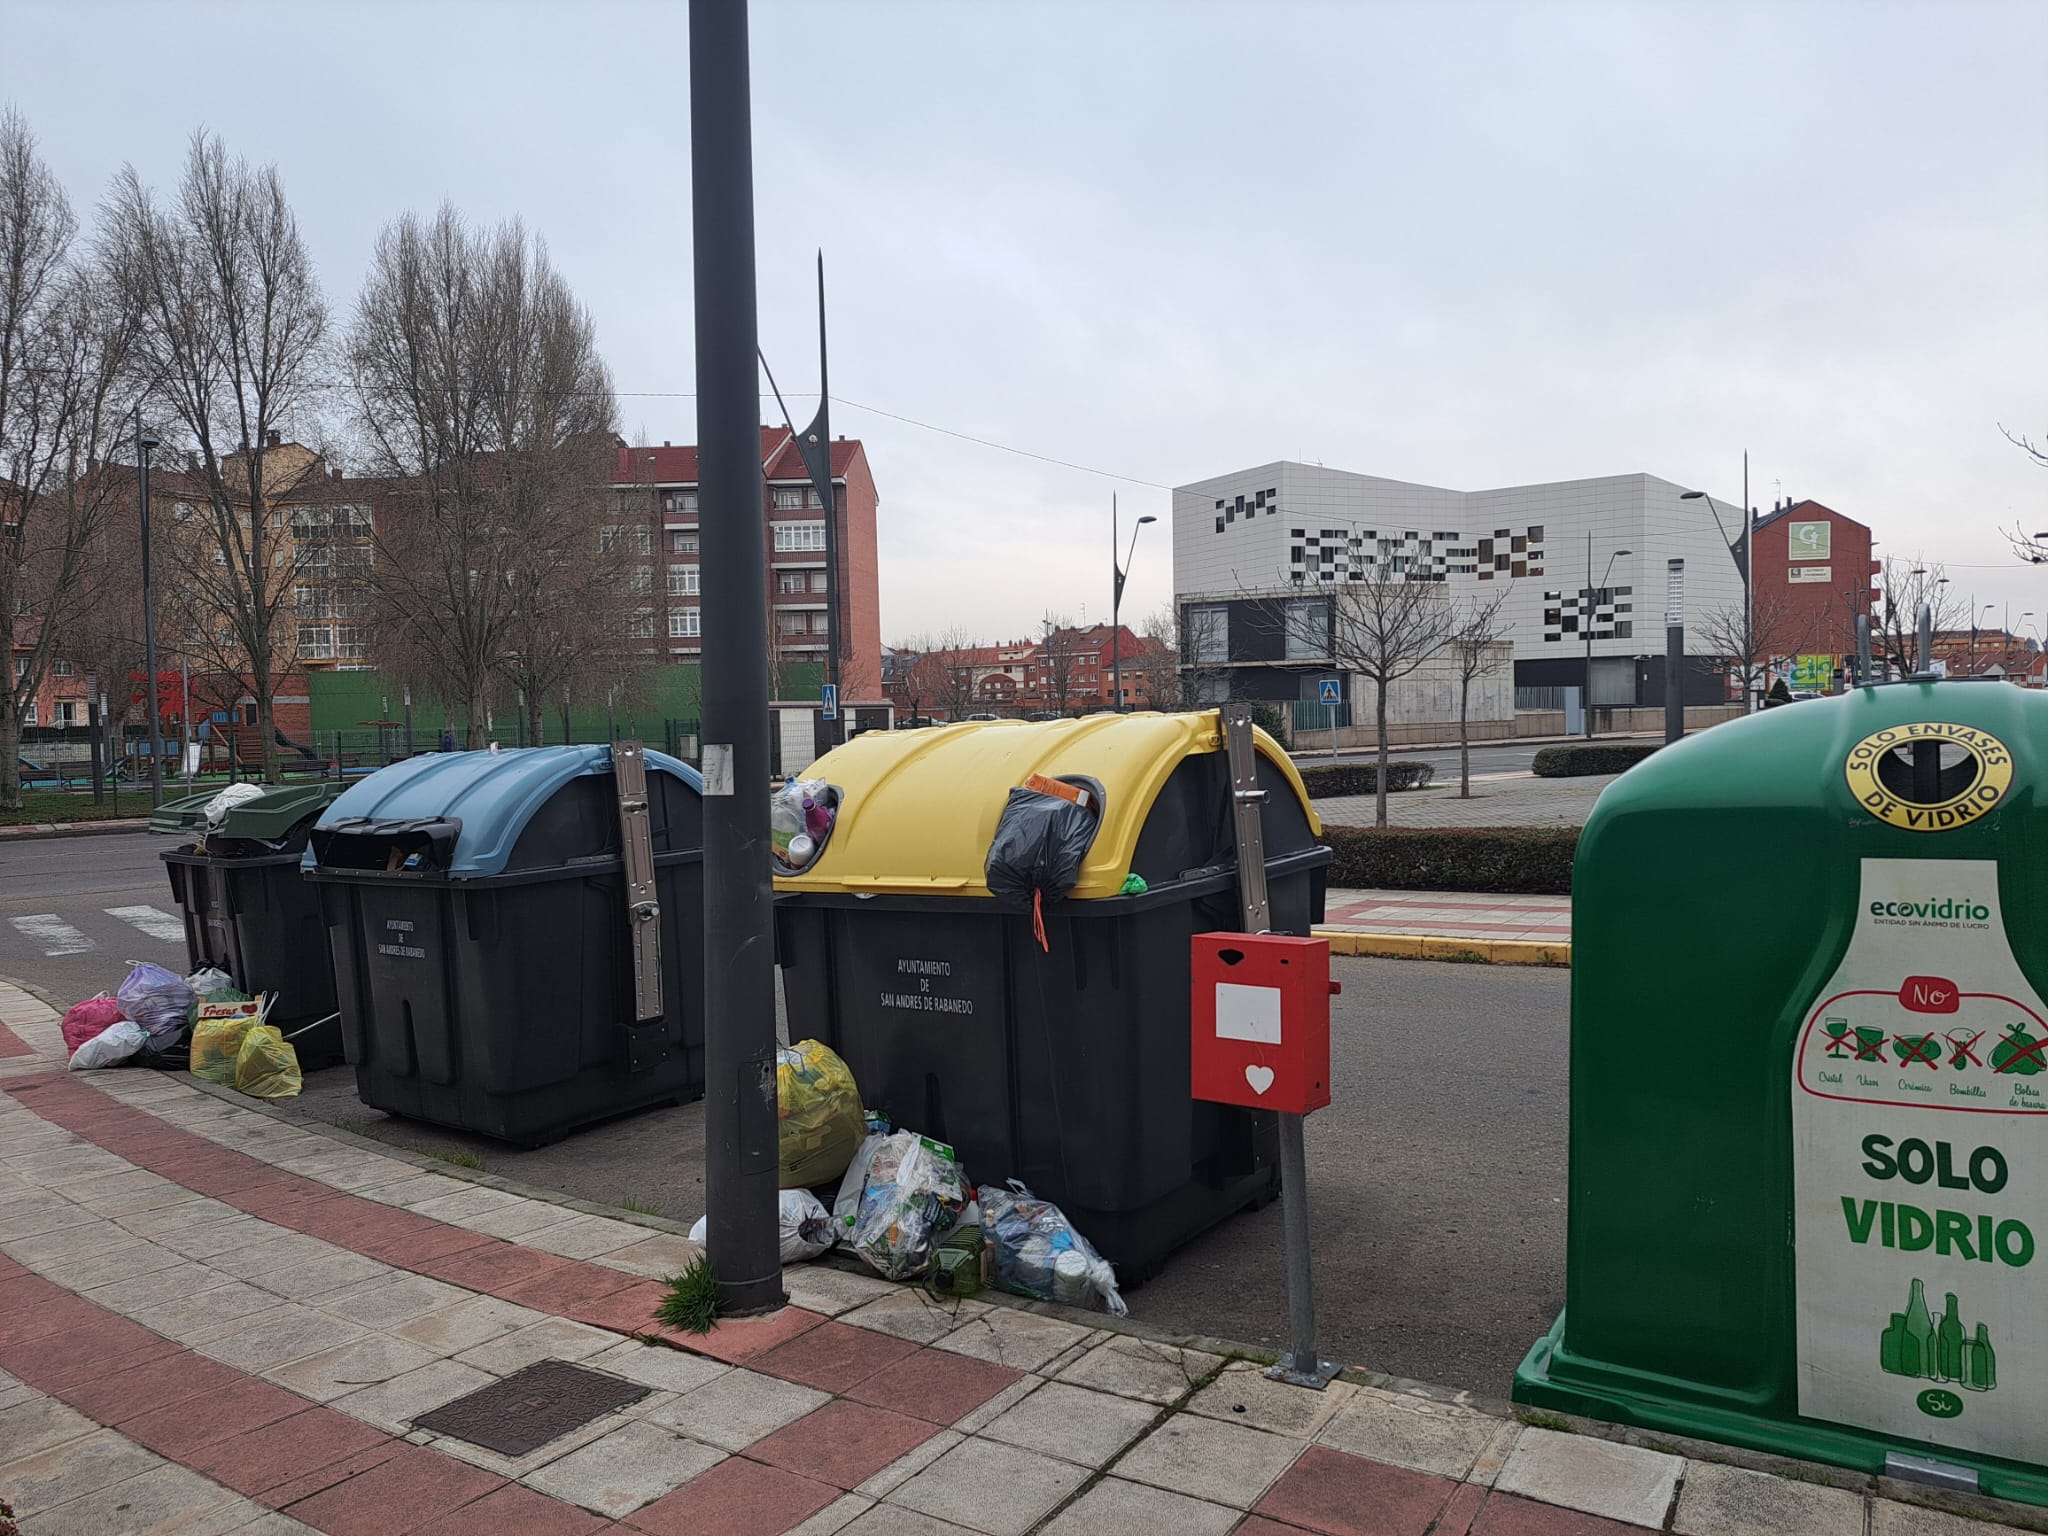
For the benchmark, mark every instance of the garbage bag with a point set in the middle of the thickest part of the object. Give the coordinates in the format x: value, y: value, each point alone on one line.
x: 846, y: 1204
x: 267, y: 1067
x: 157, y: 999
x: 110, y: 1047
x: 208, y: 980
x: 914, y: 1193
x: 806, y: 1227
x: 1035, y: 1251
x: 1037, y: 851
x: 800, y: 817
x: 84, y: 1020
x: 819, y: 1108
x: 218, y: 807
x: 217, y: 1039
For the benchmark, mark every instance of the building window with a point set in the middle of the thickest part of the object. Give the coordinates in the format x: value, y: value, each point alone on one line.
x: 182, y: 512
x: 787, y: 582
x: 28, y: 715
x: 642, y: 581
x: 798, y: 538
x: 684, y: 625
x: 641, y: 625
x: 1208, y: 634
x: 60, y: 668
x: 351, y: 643
x: 789, y: 498
x: 67, y: 712
x: 316, y: 642
x: 608, y: 538
x: 679, y: 501
x: 682, y: 543
x: 821, y: 581
x: 793, y: 623
x: 682, y: 581
x: 314, y: 602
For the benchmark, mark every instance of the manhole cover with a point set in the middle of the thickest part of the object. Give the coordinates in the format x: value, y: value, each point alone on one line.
x: 531, y: 1407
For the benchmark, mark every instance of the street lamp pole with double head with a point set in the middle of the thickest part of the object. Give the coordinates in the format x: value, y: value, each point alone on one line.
x: 1116, y: 599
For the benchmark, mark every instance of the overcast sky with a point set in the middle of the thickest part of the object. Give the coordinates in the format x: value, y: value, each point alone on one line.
x: 1460, y: 243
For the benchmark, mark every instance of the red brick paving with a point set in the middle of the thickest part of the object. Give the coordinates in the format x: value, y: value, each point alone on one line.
x: 739, y: 1340
x: 12, y: 1044
x: 833, y: 1357
x: 565, y: 1285
x: 517, y: 1511
x: 492, y: 1266
x: 935, y: 1385
x: 408, y: 1489
x: 735, y: 1498
x: 291, y: 1457
x: 147, y: 1389
x: 1456, y: 1520
x: 843, y: 1444
x: 1506, y: 1515
x: 182, y: 1430
x: 1338, y: 1494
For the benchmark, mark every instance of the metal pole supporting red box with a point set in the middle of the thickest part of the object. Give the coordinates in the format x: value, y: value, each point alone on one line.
x: 1261, y: 1019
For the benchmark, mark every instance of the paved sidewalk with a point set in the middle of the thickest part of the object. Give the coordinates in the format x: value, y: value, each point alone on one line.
x: 215, y: 1321
x: 1450, y: 925
x: 1498, y: 800
x: 29, y: 829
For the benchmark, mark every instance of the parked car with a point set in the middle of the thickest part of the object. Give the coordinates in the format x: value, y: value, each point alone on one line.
x: 981, y: 717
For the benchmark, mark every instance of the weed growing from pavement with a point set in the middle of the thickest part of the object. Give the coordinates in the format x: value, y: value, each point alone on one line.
x: 630, y: 1203
x: 1536, y: 1418
x: 461, y: 1157
x: 691, y: 1305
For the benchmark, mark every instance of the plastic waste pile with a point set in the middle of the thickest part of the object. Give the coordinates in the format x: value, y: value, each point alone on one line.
x: 800, y: 818
x: 203, y: 1022
x: 820, y: 1124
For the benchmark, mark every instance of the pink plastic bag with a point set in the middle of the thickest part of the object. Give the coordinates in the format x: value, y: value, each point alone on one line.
x: 88, y: 1018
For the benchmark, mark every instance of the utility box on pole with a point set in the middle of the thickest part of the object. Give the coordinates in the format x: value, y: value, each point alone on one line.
x: 1809, y: 1075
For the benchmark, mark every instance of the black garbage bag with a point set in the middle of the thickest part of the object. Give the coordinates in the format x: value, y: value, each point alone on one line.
x: 1037, y: 851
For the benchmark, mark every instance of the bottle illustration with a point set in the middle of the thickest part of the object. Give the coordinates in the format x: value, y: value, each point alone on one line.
x: 1918, y: 1344
x: 1948, y: 1350
x: 1983, y: 1362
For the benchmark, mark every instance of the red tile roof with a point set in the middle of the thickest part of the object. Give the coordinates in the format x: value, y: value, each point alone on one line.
x: 678, y: 466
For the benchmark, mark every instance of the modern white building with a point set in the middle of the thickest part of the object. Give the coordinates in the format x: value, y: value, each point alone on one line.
x: 1574, y: 556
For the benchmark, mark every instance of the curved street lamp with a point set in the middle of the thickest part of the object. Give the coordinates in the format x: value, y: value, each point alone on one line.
x: 1116, y: 599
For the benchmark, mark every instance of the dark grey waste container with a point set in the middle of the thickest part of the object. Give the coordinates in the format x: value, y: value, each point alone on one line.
x: 475, y: 905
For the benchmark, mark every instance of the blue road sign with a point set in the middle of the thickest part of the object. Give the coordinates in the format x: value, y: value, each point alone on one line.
x: 831, y: 701
x: 1332, y: 691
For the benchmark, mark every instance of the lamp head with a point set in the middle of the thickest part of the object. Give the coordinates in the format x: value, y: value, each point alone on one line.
x: 1147, y: 518
x: 1690, y: 495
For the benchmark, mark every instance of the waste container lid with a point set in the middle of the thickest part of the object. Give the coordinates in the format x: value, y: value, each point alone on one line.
x: 493, y: 794
x: 264, y: 817
x: 918, y: 808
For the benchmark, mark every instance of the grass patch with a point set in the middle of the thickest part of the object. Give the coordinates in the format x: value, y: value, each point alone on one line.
x: 692, y: 1302
x: 1536, y: 1418
x: 46, y: 805
x: 640, y: 1207
x: 461, y: 1157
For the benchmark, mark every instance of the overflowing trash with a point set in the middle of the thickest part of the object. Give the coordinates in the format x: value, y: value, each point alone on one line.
x: 266, y: 1067
x: 914, y: 1191
x: 800, y: 817
x: 84, y: 1020
x: 1035, y: 856
x: 201, y: 1022
x: 110, y: 1047
x: 157, y: 999
x: 217, y: 1037
x: 806, y: 1226
x: 820, y: 1123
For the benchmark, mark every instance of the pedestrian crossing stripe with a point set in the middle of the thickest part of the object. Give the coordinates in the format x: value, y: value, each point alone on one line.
x: 57, y: 937
x: 156, y: 923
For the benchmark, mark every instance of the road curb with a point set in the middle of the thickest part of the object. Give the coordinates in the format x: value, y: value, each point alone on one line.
x: 1429, y: 946
x: 36, y: 830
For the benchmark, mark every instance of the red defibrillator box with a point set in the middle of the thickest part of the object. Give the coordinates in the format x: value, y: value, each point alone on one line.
x: 1261, y: 1019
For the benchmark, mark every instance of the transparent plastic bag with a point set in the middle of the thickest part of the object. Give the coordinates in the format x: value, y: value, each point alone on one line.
x: 818, y: 1105
x: 208, y: 980
x: 110, y: 1047
x: 1035, y: 1251
x: 846, y: 1204
x: 157, y: 999
x: 800, y: 817
x: 914, y: 1193
x: 266, y: 1067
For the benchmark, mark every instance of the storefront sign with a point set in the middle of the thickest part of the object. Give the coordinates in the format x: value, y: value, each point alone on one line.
x: 1809, y: 575
x: 1920, y: 1145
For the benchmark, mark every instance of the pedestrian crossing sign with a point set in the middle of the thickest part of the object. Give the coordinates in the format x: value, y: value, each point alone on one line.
x: 1332, y: 691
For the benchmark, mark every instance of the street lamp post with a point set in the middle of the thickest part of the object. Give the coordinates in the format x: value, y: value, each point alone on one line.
x: 144, y: 446
x: 1739, y: 552
x: 1116, y: 599
x: 1586, y: 620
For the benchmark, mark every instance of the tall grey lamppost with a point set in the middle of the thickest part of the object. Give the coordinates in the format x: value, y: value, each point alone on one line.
x: 1738, y: 551
x: 1116, y: 599
x: 1586, y: 619
x: 144, y: 446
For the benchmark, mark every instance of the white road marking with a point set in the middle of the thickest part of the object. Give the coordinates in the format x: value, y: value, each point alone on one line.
x: 55, y: 935
x: 153, y: 921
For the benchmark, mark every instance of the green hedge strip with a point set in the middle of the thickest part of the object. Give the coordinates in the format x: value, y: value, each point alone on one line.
x: 1331, y: 780
x: 1593, y: 757
x: 1535, y: 861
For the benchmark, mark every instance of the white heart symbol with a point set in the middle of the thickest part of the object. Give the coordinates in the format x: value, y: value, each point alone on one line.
x: 1261, y: 1078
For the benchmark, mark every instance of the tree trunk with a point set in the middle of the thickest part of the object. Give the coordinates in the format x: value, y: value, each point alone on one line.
x: 1464, y: 738
x: 10, y: 751
x: 533, y: 719
x: 266, y: 714
x: 473, y: 711
x: 1380, y: 778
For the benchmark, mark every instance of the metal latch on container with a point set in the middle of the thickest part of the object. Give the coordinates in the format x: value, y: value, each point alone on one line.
x: 643, y: 903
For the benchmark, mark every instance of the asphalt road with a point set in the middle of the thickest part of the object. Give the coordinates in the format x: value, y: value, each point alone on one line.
x: 1437, y: 1178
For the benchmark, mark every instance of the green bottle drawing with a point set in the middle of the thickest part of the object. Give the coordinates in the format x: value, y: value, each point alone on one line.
x: 1948, y: 1351
x: 1983, y: 1362
x: 1918, y: 1344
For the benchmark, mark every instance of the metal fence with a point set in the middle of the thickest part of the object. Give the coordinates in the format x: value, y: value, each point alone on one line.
x: 1542, y: 698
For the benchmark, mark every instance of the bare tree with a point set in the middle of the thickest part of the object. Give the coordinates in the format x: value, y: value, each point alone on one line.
x: 64, y: 349
x: 1476, y: 633
x: 1059, y: 663
x: 1772, y: 628
x: 2027, y: 446
x: 1904, y: 584
x: 230, y: 329
x: 953, y: 678
x: 480, y: 393
x: 1379, y: 630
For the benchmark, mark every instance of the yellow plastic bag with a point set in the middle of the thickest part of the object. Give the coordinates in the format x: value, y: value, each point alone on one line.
x: 267, y: 1067
x: 823, y: 1123
x: 217, y: 1039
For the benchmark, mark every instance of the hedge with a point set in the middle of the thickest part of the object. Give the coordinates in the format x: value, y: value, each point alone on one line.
x: 1334, y: 779
x: 1578, y: 761
x: 1533, y: 861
